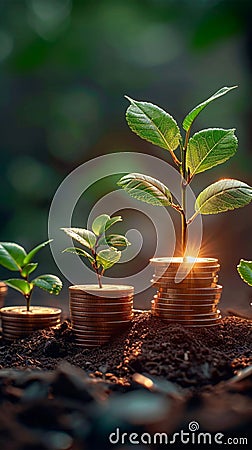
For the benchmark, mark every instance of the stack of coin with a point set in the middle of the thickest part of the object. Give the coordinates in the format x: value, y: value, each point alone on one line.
x: 98, y: 314
x: 190, y: 299
x: 3, y: 292
x: 17, y: 322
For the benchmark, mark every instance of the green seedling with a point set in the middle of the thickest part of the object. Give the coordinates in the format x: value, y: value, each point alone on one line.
x: 245, y: 271
x: 15, y: 258
x: 197, y: 153
x: 100, y: 259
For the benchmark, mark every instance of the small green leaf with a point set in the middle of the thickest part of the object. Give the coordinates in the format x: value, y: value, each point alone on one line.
x: 35, y: 250
x: 224, y: 195
x: 84, y: 237
x: 146, y: 189
x: 20, y: 285
x: 108, y: 257
x: 245, y: 271
x: 49, y: 283
x: 189, y: 119
x: 99, y: 224
x: 12, y: 255
x: 112, y: 221
x: 80, y: 252
x: 153, y: 124
x: 114, y: 240
x: 29, y: 268
x: 211, y: 147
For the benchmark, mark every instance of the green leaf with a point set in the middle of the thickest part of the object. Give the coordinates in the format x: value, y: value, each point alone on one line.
x: 12, y: 255
x: 114, y: 240
x: 99, y: 224
x: 29, y: 268
x: 35, y: 250
x: 245, y: 271
x: 112, y: 221
x: 146, y: 189
x: 80, y: 252
x: 224, y: 195
x: 108, y: 257
x: 20, y: 285
x: 153, y: 124
x: 208, y: 148
x: 49, y: 283
x: 84, y: 237
x: 189, y: 119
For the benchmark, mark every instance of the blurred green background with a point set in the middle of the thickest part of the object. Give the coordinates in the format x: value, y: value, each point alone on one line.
x: 65, y: 68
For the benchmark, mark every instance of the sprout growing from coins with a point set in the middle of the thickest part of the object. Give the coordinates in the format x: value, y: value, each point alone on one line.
x: 95, y: 240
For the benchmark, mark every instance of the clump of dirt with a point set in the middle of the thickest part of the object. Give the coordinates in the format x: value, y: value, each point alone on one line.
x: 191, y: 357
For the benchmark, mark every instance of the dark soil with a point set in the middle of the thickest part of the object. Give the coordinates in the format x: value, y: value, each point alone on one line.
x: 169, y: 376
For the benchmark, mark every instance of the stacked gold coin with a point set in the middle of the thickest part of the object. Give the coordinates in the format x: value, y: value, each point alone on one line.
x: 192, y: 301
x: 17, y: 322
x: 97, y: 314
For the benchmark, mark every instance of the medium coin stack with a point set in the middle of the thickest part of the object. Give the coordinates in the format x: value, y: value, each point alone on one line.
x: 17, y: 322
x: 192, y: 301
x: 97, y: 314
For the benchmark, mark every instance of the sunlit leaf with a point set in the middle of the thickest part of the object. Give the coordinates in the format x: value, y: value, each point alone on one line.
x: 210, y: 147
x: 12, y: 255
x: 84, y: 237
x: 99, y: 224
x: 29, y: 268
x: 20, y: 285
x: 80, y: 252
x: 146, y: 189
x: 187, y: 123
x: 35, y: 250
x: 112, y: 221
x: 245, y: 270
x: 49, y: 283
x: 153, y: 124
x: 114, y: 240
x: 108, y: 257
x: 224, y: 195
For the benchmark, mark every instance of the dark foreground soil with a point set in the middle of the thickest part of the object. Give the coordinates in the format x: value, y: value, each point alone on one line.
x: 153, y: 378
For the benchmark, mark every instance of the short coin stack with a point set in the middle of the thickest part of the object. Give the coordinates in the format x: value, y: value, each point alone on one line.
x: 193, y: 301
x: 97, y: 314
x: 17, y: 322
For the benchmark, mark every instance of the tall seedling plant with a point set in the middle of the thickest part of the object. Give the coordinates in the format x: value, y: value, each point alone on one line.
x: 197, y: 153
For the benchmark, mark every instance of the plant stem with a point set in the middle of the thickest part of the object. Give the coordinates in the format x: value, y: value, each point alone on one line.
x: 99, y: 279
x: 28, y: 300
x: 183, y: 194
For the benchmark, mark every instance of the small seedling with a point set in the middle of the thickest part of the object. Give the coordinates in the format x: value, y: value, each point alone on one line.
x: 245, y: 271
x: 15, y: 258
x: 198, y: 153
x: 102, y: 259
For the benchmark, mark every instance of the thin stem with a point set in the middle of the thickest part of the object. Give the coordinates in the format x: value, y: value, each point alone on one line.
x: 175, y: 159
x: 184, y: 181
x: 28, y: 300
x: 99, y: 279
x: 192, y: 218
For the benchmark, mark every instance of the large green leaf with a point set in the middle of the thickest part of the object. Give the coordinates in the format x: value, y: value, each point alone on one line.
x: 108, y: 257
x: 35, y: 250
x: 114, y: 240
x: 187, y: 123
x: 112, y: 221
x: 12, y: 255
x: 22, y: 286
x: 153, y: 124
x: 245, y: 270
x: 49, y: 283
x: 99, y: 224
x: 146, y: 189
x: 208, y: 148
x: 222, y: 196
x: 29, y: 268
x: 80, y: 252
x: 84, y: 237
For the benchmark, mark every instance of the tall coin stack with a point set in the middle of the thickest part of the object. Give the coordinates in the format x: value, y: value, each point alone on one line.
x: 98, y: 314
x: 191, y: 302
